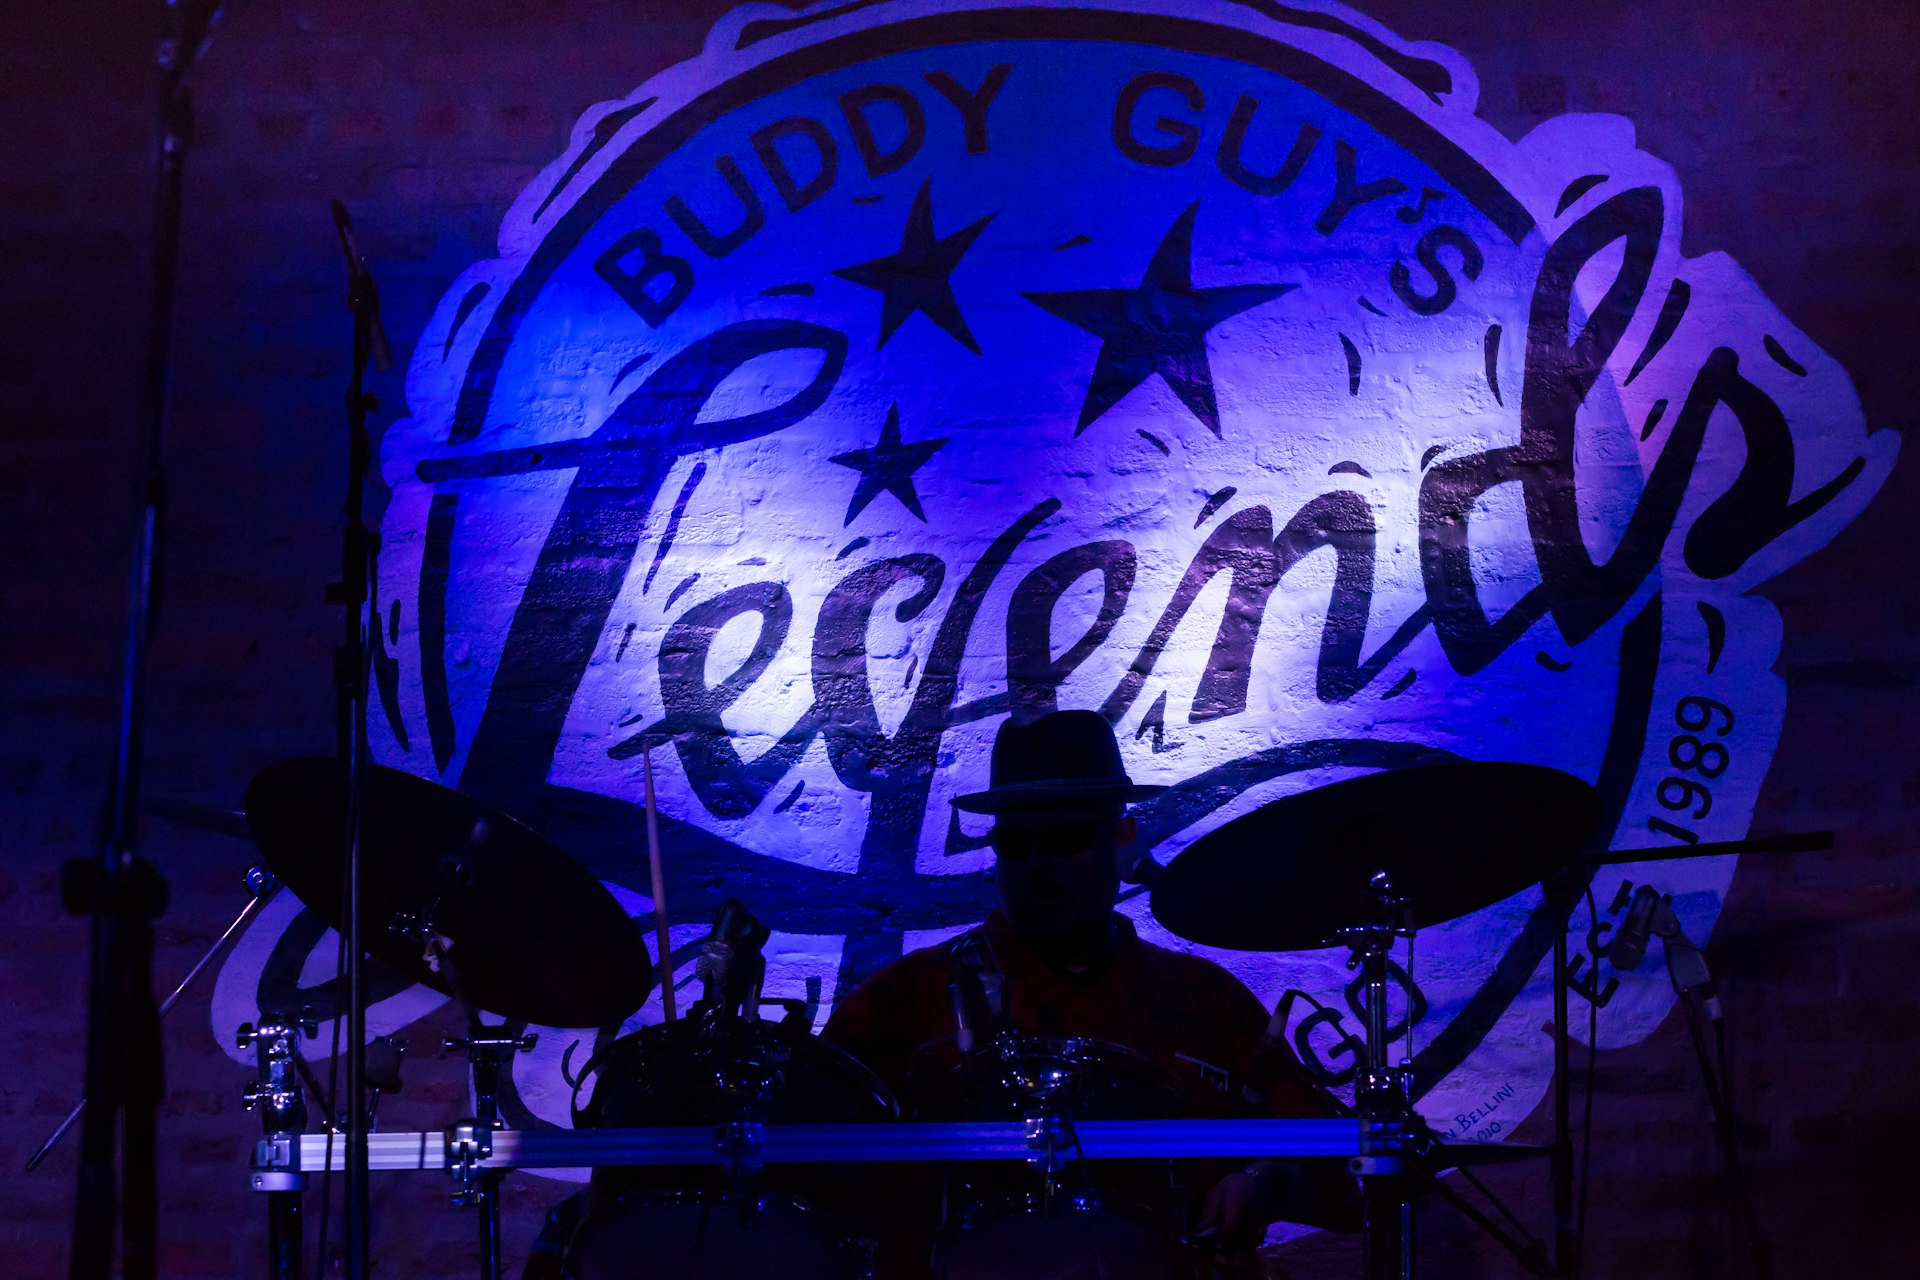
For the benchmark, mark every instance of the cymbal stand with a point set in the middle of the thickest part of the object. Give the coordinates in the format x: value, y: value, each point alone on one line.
x: 275, y: 1041
x: 1384, y: 1097
x: 488, y: 1049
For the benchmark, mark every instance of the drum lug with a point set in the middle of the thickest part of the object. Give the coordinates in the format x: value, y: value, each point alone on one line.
x: 468, y: 1143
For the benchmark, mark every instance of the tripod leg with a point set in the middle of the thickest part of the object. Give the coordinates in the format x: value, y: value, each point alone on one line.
x: 1387, y: 1208
x: 1760, y: 1252
x: 1562, y: 1116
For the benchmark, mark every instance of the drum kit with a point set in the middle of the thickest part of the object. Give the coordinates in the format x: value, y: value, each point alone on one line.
x: 732, y: 1141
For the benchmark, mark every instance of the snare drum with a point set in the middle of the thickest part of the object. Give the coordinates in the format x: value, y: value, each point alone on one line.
x: 683, y: 1223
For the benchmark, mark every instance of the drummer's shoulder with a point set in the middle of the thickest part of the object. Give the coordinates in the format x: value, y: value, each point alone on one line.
x: 1181, y: 968
x: 904, y: 977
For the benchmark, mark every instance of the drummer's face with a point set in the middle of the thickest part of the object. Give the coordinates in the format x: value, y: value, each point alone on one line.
x: 1058, y: 883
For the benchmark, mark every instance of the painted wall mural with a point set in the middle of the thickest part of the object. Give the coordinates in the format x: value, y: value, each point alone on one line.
x: 890, y: 368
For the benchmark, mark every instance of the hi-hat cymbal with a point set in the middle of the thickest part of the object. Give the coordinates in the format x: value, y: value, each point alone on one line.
x: 532, y: 934
x: 1451, y: 837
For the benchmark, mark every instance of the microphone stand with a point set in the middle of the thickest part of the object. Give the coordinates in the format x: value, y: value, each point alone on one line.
x: 351, y: 662
x: 122, y: 891
x: 1562, y: 893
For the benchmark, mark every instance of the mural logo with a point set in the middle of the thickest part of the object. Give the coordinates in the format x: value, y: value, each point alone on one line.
x: 892, y: 368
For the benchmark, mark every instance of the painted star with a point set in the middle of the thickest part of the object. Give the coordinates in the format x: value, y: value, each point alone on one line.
x: 1159, y: 327
x: 920, y: 276
x: 889, y: 465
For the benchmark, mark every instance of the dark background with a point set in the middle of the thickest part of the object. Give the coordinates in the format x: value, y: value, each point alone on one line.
x: 1795, y: 129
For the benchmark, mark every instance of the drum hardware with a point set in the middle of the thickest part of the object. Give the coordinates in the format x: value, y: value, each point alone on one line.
x: 745, y: 1079
x: 262, y: 885
x: 1384, y: 1095
x: 534, y: 935
x: 1570, y: 889
x: 470, y: 1141
x: 1380, y: 856
x: 1045, y: 1136
x: 855, y: 1143
x: 740, y: 1143
x: 1054, y: 1087
x: 275, y: 1093
x: 487, y: 1049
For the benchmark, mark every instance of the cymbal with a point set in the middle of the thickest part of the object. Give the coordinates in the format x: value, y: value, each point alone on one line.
x: 533, y: 935
x: 1453, y: 838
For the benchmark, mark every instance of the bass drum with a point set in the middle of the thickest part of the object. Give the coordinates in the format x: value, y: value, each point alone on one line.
x: 1117, y: 1220
x: 714, y: 1235
x: 695, y: 1223
x: 1067, y: 1236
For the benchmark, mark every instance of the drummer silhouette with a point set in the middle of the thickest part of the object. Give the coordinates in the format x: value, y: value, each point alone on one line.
x: 1057, y: 971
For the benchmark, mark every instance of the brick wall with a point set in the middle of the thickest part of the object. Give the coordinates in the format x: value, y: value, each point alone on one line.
x: 1794, y: 131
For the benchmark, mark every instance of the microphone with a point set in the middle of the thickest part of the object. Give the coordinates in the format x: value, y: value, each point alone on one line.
x: 974, y: 991
x: 730, y: 963
x: 716, y: 958
x: 190, y: 25
x: 1651, y: 916
x: 361, y: 290
x: 1629, y: 945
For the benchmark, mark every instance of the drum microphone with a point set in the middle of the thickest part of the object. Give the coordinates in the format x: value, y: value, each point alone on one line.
x: 730, y: 966
x: 974, y: 989
x: 1651, y: 916
x: 716, y: 956
x: 1629, y: 945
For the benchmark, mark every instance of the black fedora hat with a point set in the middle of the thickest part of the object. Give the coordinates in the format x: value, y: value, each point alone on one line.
x: 1064, y: 760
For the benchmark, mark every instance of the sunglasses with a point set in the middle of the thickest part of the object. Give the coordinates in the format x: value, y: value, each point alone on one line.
x: 1066, y: 840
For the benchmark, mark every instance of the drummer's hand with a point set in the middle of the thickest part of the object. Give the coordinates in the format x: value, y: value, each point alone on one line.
x: 1232, y: 1214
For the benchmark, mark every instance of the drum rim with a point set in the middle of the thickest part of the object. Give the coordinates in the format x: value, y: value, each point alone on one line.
x: 677, y: 1035
x: 1078, y: 1200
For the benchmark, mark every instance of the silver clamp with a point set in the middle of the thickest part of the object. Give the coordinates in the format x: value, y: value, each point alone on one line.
x: 1050, y: 1138
x: 276, y: 1164
x: 468, y: 1143
x: 1384, y: 1148
x: 741, y: 1142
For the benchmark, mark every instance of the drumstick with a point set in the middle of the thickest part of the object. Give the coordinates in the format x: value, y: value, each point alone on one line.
x: 665, y: 966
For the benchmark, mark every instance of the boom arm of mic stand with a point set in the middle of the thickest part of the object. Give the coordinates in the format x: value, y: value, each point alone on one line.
x: 1790, y: 842
x: 264, y: 886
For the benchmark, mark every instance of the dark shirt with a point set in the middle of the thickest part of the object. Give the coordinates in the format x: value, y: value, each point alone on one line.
x: 1187, y: 1015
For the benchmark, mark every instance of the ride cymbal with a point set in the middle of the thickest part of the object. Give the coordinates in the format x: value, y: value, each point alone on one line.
x: 1452, y: 838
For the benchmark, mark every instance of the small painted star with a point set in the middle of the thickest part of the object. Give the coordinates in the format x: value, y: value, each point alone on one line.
x: 1159, y: 327
x: 888, y: 466
x: 920, y: 276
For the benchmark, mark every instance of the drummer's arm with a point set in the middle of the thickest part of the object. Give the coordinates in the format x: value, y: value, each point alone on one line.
x: 1319, y: 1192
